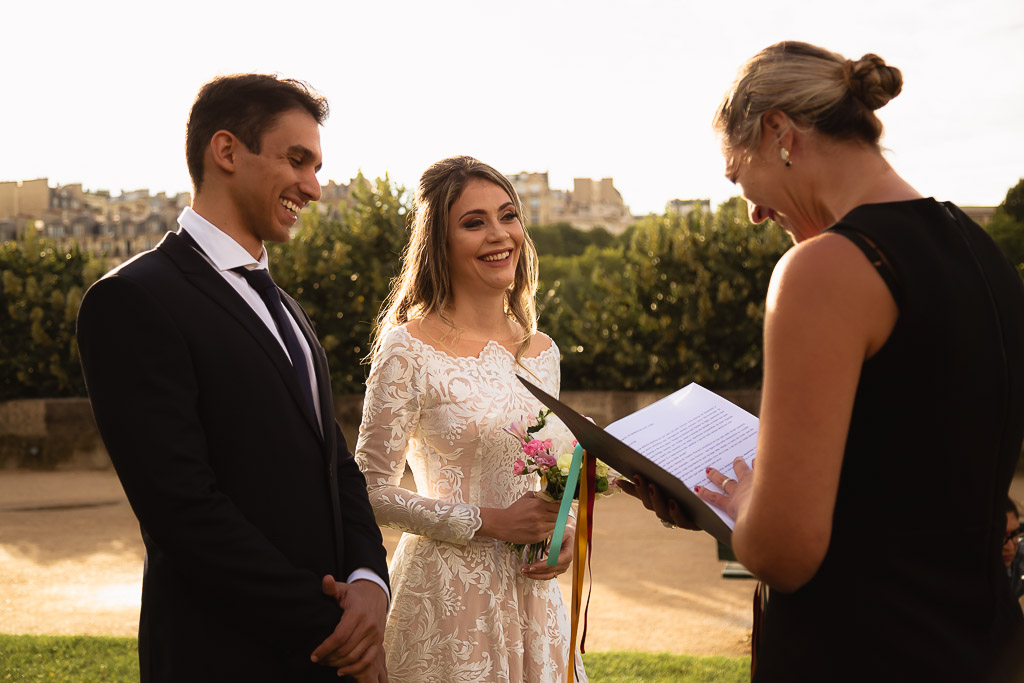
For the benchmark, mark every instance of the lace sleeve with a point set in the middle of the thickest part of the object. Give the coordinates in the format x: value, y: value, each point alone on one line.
x: 391, y: 412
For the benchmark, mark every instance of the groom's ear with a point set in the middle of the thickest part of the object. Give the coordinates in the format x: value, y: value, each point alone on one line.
x: 223, y: 151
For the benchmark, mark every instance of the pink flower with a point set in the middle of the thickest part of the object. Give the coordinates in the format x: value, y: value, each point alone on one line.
x: 536, y: 446
x: 518, y: 430
x: 518, y: 467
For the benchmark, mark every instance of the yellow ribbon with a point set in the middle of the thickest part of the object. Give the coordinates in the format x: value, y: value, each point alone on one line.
x: 579, y: 567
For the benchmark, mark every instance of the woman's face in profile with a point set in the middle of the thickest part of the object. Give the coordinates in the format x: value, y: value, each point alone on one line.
x: 761, y: 176
x: 756, y: 179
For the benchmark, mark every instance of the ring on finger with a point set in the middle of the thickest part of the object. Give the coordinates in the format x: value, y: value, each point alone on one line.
x: 726, y: 481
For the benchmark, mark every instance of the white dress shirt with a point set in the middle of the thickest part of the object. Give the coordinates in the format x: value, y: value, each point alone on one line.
x: 224, y: 253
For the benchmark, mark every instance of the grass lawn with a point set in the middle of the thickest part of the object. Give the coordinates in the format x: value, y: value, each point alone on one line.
x: 87, y: 659
x: 620, y: 667
x: 68, y: 658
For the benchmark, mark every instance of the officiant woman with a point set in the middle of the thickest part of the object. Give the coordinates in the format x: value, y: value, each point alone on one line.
x: 892, y: 409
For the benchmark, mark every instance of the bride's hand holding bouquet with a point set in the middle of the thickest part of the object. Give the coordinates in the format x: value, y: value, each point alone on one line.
x: 547, y: 447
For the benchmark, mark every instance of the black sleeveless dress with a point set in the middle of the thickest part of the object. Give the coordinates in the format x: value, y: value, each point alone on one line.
x: 912, y: 587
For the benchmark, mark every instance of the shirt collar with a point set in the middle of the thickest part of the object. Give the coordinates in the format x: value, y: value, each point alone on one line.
x: 221, y: 250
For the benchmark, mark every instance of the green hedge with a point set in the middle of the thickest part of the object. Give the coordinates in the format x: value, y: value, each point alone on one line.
x: 672, y: 300
x: 40, y: 290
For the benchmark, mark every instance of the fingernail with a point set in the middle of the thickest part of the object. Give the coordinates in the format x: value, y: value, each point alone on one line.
x: 707, y: 470
x: 697, y: 489
x: 314, y: 658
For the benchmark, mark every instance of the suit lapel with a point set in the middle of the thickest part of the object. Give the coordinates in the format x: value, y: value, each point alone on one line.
x: 328, y: 423
x: 323, y: 376
x: 199, y: 271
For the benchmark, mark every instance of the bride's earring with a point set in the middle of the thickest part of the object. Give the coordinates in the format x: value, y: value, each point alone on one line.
x: 784, y: 153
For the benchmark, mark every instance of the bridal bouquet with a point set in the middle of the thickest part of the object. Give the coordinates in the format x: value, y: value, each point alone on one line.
x: 547, y: 446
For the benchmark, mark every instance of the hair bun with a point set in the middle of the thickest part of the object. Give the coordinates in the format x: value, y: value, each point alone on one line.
x: 871, y: 81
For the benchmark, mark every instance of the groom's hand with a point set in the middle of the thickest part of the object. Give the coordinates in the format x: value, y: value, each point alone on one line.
x: 356, y: 645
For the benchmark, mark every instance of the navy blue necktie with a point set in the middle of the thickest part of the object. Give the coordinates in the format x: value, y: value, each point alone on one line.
x: 261, y: 281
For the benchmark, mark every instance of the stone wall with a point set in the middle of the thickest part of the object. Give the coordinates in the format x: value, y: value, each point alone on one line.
x: 46, y: 434
x: 59, y: 433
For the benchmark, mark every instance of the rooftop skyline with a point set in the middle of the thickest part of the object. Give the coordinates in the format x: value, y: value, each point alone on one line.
x: 577, y: 89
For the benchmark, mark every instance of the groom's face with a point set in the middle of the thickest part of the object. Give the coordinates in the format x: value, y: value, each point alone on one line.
x: 270, y: 188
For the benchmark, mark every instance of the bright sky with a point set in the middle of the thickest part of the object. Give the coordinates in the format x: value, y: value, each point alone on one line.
x: 98, y: 92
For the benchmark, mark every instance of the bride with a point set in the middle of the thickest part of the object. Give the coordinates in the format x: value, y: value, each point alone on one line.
x: 458, y: 326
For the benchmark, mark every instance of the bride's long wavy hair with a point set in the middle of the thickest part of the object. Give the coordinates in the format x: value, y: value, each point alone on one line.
x: 424, y: 284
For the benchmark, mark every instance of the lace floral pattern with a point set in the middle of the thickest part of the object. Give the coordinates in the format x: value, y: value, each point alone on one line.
x: 460, y: 608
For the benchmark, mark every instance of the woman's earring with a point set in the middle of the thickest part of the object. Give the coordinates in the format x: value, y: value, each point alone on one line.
x: 784, y: 153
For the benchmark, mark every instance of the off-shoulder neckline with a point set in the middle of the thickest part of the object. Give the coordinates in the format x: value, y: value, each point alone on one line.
x: 491, y: 343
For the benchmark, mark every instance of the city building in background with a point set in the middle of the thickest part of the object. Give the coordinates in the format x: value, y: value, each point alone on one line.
x: 118, y: 227
x: 334, y: 196
x: 979, y: 214
x: 590, y: 204
x: 685, y: 206
x: 115, y: 227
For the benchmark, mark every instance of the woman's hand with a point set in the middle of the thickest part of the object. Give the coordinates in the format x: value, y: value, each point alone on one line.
x: 653, y: 498
x: 542, y: 572
x: 530, y: 519
x: 736, y: 490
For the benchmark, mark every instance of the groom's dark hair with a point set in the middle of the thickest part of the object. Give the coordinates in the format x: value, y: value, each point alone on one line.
x: 246, y: 105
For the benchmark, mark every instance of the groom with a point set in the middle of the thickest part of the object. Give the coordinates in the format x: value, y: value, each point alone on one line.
x: 213, y: 398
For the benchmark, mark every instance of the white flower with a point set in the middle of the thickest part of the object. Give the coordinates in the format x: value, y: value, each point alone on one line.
x: 564, y: 463
x: 562, y: 440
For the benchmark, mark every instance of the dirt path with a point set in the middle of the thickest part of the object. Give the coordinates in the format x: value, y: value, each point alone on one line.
x: 72, y: 563
x: 71, y: 559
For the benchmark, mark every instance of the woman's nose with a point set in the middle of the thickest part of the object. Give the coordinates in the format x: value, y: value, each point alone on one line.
x: 497, y: 232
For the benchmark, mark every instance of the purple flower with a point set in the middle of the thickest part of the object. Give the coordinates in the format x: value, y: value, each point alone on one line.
x: 545, y: 460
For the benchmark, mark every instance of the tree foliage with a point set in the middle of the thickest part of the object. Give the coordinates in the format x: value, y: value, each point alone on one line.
x: 562, y: 239
x: 1013, y: 203
x: 340, y: 269
x: 1007, y: 226
x: 683, y: 301
x: 40, y: 291
x: 673, y: 299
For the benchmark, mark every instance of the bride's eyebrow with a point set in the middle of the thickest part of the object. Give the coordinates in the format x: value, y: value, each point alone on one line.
x: 473, y: 212
x: 481, y: 212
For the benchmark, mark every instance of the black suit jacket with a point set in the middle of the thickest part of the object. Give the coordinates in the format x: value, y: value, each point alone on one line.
x: 243, y: 500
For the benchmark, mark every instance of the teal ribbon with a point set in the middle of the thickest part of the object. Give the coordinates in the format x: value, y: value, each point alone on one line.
x: 563, y: 511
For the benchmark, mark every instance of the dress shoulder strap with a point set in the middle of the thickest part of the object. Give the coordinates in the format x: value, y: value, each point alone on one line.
x: 870, y: 250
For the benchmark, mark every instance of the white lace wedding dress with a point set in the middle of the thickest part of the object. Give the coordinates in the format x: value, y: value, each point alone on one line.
x: 460, y: 608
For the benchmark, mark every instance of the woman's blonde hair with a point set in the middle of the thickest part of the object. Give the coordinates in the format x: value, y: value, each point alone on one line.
x: 424, y: 284
x: 814, y: 87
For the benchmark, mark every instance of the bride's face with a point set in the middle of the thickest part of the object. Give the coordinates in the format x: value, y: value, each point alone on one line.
x: 484, y: 239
